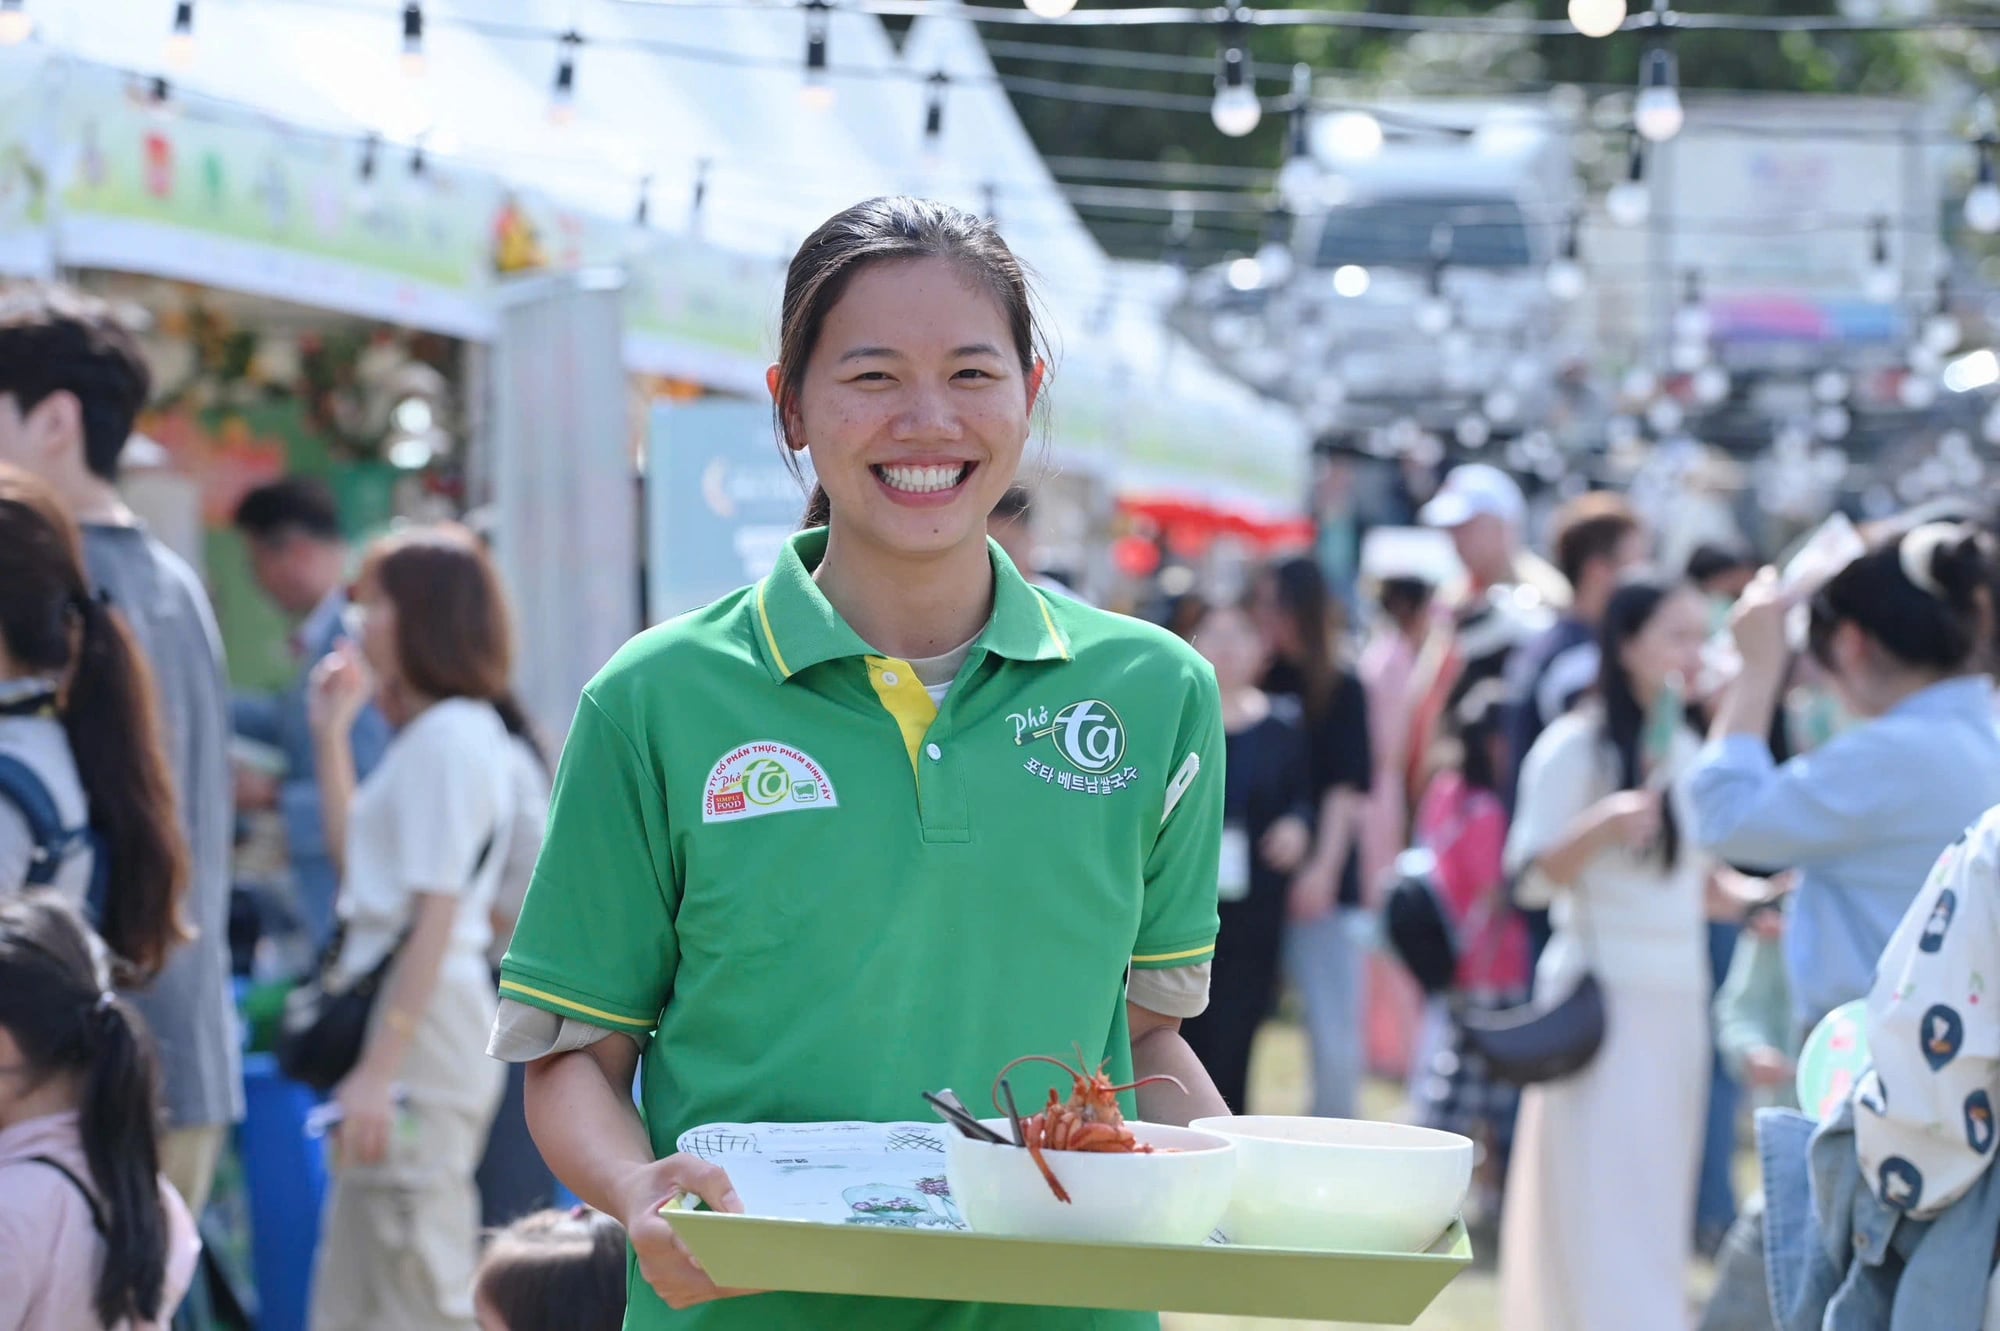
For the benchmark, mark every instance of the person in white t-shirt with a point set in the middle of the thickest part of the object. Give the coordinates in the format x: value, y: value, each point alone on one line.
x: 424, y: 846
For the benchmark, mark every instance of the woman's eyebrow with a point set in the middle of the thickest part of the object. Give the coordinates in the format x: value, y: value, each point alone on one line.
x: 865, y: 353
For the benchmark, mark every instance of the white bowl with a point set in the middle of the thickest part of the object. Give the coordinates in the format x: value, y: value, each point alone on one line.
x: 1164, y: 1197
x: 1342, y: 1184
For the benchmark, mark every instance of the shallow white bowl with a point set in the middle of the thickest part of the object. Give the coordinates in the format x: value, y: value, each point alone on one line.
x: 1342, y: 1184
x: 1158, y: 1198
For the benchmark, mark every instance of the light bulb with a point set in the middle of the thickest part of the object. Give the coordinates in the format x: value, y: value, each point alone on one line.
x: 1665, y: 416
x: 1296, y: 179
x: 1924, y: 359
x: 1640, y: 383
x: 1688, y: 357
x: 1832, y: 423
x: 413, y: 64
x: 1830, y: 386
x: 15, y: 26
x: 1050, y: 8
x: 1501, y: 405
x: 1236, y: 111
x: 1565, y: 279
x: 1628, y: 202
x: 816, y: 96
x: 180, y: 51
x: 1245, y: 274
x: 1691, y: 323
x: 1657, y: 114
x: 1350, y: 280
x: 1597, y: 18
x: 1882, y: 283
x: 1918, y: 392
x: 1274, y: 262
x: 1352, y: 136
x: 1434, y: 316
x: 1982, y: 208
x: 1473, y: 430
x: 1711, y: 385
x: 562, y: 112
x: 1941, y: 332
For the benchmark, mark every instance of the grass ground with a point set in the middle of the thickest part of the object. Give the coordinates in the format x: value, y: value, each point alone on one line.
x: 1278, y: 1077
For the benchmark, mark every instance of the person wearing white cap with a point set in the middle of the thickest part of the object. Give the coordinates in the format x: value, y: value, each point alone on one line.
x: 1486, y: 514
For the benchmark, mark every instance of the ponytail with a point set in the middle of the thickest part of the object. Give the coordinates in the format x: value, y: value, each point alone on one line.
x: 56, y: 1004
x: 115, y: 735
x: 121, y: 1144
x: 819, y: 509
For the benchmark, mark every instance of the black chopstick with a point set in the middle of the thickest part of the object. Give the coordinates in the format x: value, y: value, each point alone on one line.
x: 965, y: 1122
x: 1013, y: 1114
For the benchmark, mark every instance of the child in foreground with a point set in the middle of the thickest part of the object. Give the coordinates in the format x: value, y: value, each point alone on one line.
x: 553, y: 1271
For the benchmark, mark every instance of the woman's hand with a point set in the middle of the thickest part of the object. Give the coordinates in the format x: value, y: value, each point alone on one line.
x: 339, y: 687
x: 1758, y: 626
x: 1286, y: 844
x: 367, y: 1116
x: 1315, y: 892
x: 1767, y: 1067
x: 664, y: 1260
x: 1631, y: 818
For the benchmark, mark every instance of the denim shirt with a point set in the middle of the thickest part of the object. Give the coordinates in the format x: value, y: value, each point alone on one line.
x: 1863, y: 818
x: 1839, y: 1259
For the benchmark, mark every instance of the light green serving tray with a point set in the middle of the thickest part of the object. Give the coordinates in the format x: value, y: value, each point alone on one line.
x: 753, y: 1252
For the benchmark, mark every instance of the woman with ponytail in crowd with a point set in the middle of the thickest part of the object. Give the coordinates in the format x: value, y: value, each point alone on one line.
x: 91, y: 1236
x: 421, y: 850
x: 86, y: 805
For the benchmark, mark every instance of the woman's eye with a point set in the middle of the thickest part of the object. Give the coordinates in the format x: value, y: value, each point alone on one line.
x: 974, y: 372
x: 872, y: 377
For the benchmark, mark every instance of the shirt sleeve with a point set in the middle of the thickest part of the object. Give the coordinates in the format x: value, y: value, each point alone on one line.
x: 1557, y: 784
x: 1173, y: 991
x: 1753, y: 1007
x: 17, y: 846
x: 1749, y: 810
x: 1924, y: 1119
x: 1346, y: 751
x: 1179, y: 919
x: 596, y: 937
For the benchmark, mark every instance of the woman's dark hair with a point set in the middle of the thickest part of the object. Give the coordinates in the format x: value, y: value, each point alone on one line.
x: 1475, y: 723
x: 886, y: 230
x: 556, y: 1271
x: 104, y: 695
x: 1925, y: 595
x: 1303, y: 597
x: 1626, y: 616
x: 56, y: 1003
x: 454, y: 632
x: 1403, y: 598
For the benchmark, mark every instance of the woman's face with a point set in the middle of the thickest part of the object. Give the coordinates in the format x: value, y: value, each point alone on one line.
x: 1228, y: 641
x: 1274, y: 619
x: 914, y: 407
x: 373, y: 625
x: 1669, y: 646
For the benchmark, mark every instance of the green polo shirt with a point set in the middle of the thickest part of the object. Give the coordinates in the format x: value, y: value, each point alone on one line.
x: 826, y: 894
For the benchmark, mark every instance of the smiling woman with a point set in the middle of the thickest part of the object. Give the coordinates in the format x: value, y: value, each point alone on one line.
x: 892, y: 759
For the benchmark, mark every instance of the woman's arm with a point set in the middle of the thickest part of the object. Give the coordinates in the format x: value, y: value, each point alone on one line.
x: 365, y: 1095
x: 1158, y: 1050
x: 581, y: 1115
x: 337, y: 691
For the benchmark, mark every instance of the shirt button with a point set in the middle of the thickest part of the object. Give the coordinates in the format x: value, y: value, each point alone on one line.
x: 889, y: 677
x: 934, y: 751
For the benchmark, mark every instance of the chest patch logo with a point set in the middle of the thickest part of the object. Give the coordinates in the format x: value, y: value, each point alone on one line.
x: 763, y: 777
x: 1087, y: 736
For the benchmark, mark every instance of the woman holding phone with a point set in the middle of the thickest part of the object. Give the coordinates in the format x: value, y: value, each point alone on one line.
x: 1601, y: 1188
x: 884, y: 821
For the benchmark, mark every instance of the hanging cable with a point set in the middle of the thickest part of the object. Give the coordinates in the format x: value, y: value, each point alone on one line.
x: 698, y: 199
x: 990, y: 193
x: 815, y: 93
x: 419, y: 164
x: 1982, y: 201
x: 1236, y: 110
x: 1299, y: 176
x: 371, y: 148
x: 1881, y: 283
x: 1565, y: 276
x: 936, y: 85
x: 562, y: 95
x: 180, y: 38
x: 413, y: 40
x: 642, y: 213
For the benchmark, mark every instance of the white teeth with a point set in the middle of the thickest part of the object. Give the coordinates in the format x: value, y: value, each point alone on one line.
x: 922, y: 480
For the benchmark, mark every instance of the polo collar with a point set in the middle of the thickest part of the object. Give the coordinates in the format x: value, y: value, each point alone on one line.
x: 797, y: 627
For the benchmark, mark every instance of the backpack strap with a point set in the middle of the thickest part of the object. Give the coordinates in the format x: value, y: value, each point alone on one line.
x: 54, y: 843
x: 89, y: 1198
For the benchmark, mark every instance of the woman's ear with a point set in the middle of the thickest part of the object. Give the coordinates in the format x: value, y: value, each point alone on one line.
x: 1037, y: 377
x: 794, y: 436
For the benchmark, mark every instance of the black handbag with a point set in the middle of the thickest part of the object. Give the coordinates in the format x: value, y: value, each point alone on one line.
x: 323, y: 1028
x: 1545, y: 1040
x: 1417, y: 926
x: 1537, y: 1043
